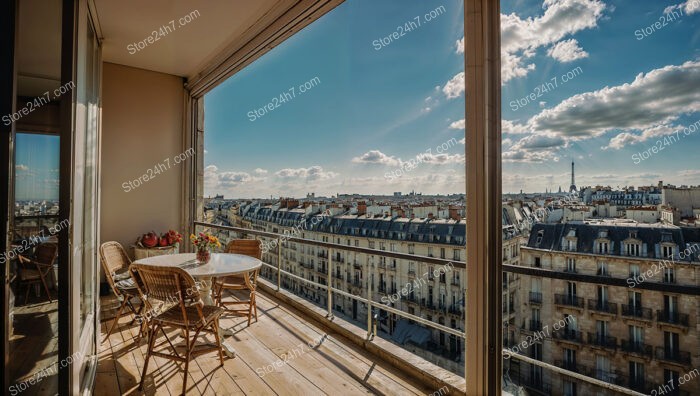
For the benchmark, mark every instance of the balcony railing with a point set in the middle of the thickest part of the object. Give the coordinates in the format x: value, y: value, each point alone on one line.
x: 535, y: 297
x: 602, y: 306
x: 637, y: 347
x: 612, y: 377
x: 636, y: 312
x: 571, y: 365
x: 672, y: 317
x: 602, y: 340
x: 673, y: 355
x: 568, y: 300
x: 534, y: 325
x: 569, y: 335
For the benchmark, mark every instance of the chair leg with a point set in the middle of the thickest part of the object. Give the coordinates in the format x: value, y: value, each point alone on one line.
x: 26, y: 295
x: 116, y: 319
x: 46, y: 287
x: 151, y: 342
x: 218, y: 341
x: 187, y: 359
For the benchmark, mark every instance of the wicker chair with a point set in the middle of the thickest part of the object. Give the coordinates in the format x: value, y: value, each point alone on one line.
x: 115, y: 263
x: 189, y: 314
x: 248, y: 281
x: 34, y: 270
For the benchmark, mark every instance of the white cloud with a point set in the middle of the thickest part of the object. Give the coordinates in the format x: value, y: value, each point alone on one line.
x: 21, y: 167
x: 214, y: 179
x: 638, y: 111
x: 460, y: 45
x: 455, y: 87
x: 520, y: 38
x: 513, y: 128
x: 567, y: 51
x: 260, y: 171
x: 626, y: 138
x: 652, y: 99
x: 376, y: 157
x: 459, y: 124
x: 688, y: 7
x: 313, y: 173
x: 440, y: 159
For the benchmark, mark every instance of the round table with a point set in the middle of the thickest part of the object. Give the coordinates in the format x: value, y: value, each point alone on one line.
x: 221, y: 264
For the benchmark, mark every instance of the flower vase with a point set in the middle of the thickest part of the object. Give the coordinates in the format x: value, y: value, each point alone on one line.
x: 203, y: 256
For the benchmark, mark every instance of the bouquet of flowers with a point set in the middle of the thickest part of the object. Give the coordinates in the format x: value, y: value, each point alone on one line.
x: 204, y: 241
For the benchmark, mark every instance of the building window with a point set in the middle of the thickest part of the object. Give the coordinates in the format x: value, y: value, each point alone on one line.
x: 602, y: 268
x: 669, y: 276
x: 411, y: 248
x: 537, y: 262
x: 634, y: 270
x: 392, y: 247
x: 602, y: 247
x: 570, y: 264
x: 667, y: 251
x: 442, y: 253
x: 371, y: 244
x: 633, y: 249
x: 430, y: 251
x: 455, y: 255
x: 569, y: 388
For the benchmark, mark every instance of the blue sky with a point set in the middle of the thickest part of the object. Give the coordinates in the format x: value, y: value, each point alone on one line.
x: 371, y: 111
x: 36, y: 172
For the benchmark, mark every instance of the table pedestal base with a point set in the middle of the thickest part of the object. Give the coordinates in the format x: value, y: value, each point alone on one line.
x: 207, y: 297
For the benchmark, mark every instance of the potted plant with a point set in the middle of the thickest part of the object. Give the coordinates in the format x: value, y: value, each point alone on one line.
x: 203, y: 242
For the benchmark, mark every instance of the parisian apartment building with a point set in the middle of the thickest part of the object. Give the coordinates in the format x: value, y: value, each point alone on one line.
x: 621, y: 306
x: 433, y: 292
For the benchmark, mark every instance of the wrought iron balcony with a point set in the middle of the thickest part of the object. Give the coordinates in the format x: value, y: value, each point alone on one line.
x: 637, y: 348
x: 673, y: 355
x: 569, y: 335
x: 636, y: 312
x: 602, y: 306
x: 672, y: 317
x: 602, y: 340
x: 568, y: 300
x: 535, y: 297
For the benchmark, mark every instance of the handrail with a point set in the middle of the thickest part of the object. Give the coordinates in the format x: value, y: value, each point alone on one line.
x: 417, y: 319
x: 585, y: 378
x: 328, y: 245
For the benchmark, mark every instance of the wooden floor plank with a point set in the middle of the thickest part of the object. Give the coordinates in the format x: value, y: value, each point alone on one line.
x: 333, y: 367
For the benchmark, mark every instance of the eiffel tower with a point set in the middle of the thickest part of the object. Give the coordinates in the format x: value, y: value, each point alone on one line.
x: 572, y: 188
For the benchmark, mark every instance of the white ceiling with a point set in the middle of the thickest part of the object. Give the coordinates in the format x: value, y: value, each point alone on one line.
x: 187, y: 49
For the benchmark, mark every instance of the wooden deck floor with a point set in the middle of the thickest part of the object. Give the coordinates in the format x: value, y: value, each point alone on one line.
x: 259, y: 368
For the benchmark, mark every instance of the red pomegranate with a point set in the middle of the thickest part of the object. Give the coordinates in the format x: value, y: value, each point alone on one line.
x: 149, y: 240
x: 163, y: 241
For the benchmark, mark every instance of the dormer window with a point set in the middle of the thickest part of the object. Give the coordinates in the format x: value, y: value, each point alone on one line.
x: 572, y: 233
x: 633, y: 234
x: 667, y: 251
x: 540, y: 234
x: 633, y: 249
x: 603, y: 234
x: 603, y: 247
x: 570, y: 244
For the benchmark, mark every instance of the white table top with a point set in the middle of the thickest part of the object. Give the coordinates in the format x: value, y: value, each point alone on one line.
x: 221, y: 264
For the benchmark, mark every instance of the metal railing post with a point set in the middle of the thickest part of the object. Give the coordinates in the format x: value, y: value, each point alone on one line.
x: 369, y: 309
x: 328, y: 283
x: 279, y: 263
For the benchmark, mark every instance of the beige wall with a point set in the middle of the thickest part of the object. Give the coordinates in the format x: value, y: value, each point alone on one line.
x: 142, y: 114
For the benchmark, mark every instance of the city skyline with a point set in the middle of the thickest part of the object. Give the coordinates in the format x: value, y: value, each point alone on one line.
x: 364, y: 121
